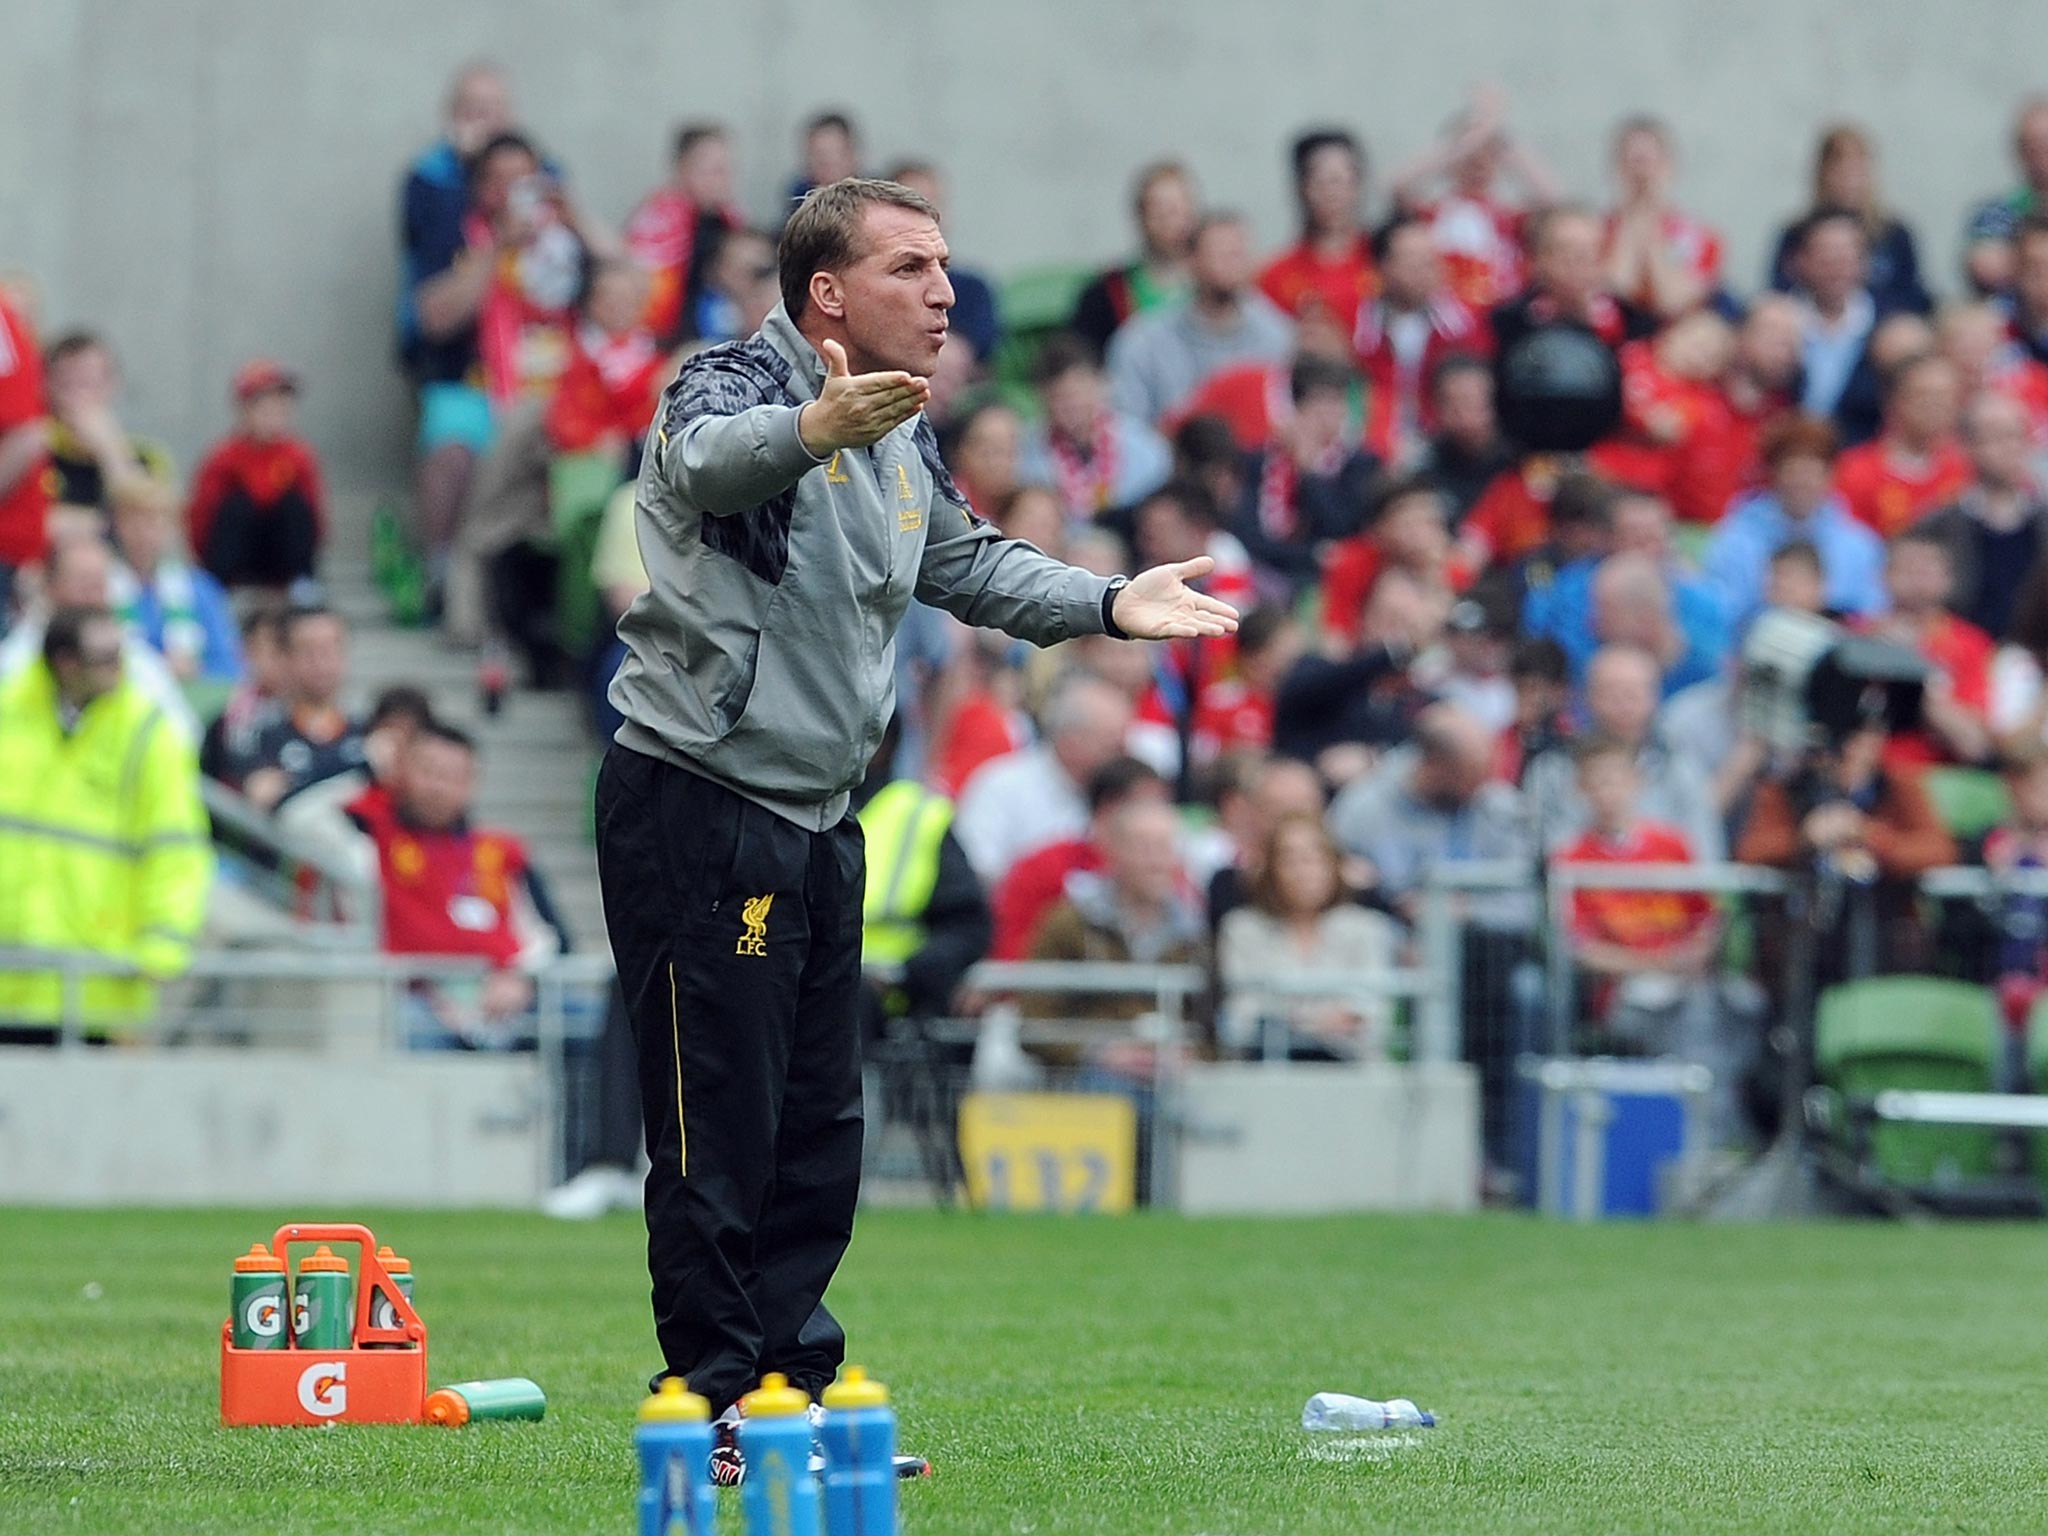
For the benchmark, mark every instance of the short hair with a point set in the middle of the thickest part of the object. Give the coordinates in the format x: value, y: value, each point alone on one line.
x: 1799, y: 552
x: 1261, y: 627
x: 1151, y: 174
x: 64, y: 635
x: 301, y: 614
x: 435, y: 729
x: 1582, y: 499
x: 1060, y: 355
x: 1545, y: 219
x: 1398, y: 488
x: 1309, y: 144
x: 1540, y: 659
x: 1312, y: 375
x: 497, y: 144
x: 1797, y: 435
x: 832, y: 119
x: 400, y: 702
x: 690, y: 135
x: 825, y: 231
x: 1117, y: 780
x: 1595, y: 745
x: 2032, y: 225
x: 73, y: 342
x: 1452, y: 363
x: 1206, y: 441
x: 1191, y: 496
x: 265, y: 616
x: 1383, y: 238
x: 1820, y: 218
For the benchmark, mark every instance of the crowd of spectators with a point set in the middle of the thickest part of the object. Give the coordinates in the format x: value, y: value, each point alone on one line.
x: 1460, y: 645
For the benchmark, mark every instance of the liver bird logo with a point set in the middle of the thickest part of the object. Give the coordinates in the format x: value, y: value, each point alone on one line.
x: 754, y: 917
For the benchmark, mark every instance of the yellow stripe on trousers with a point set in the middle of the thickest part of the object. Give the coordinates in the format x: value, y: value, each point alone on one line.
x: 675, y: 1034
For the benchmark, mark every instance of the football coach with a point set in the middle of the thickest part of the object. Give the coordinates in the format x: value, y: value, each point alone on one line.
x: 790, y: 505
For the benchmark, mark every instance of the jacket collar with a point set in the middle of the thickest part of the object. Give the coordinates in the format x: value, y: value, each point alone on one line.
x: 806, y: 367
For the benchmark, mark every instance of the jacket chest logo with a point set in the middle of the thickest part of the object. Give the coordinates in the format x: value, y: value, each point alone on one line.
x: 754, y: 917
x: 909, y: 515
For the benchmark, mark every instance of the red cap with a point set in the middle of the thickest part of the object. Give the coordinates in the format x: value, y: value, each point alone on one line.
x: 260, y: 376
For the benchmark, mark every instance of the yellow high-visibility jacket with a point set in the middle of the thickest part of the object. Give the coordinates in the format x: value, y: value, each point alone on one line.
x: 103, y: 847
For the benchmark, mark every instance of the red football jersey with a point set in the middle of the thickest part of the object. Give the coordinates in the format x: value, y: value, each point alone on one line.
x: 25, y: 508
x: 1642, y: 920
x: 1890, y: 493
x: 1301, y: 282
x: 445, y: 893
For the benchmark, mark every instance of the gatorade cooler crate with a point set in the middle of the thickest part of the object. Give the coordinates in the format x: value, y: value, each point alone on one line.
x: 379, y: 1378
x: 1600, y: 1137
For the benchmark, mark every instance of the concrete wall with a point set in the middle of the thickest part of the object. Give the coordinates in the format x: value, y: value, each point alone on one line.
x: 211, y: 178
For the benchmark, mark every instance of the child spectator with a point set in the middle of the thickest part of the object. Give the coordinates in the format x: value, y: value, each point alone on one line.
x: 607, y: 394
x: 2020, y: 842
x: 228, y: 750
x: 1671, y: 399
x: 258, y: 509
x: 1235, y: 713
x: 177, y: 608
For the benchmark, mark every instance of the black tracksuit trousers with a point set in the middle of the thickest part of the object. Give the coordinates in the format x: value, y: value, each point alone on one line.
x: 737, y: 936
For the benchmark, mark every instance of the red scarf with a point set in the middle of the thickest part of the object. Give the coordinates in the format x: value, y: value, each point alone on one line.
x: 1087, y: 485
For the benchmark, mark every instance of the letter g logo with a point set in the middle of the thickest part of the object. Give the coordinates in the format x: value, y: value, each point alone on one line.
x: 263, y: 1316
x: 323, y: 1390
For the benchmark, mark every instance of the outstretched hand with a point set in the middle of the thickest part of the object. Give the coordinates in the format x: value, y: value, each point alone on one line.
x: 853, y: 410
x: 1160, y: 605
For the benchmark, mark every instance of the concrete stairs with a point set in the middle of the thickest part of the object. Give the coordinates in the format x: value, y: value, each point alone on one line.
x: 538, y: 754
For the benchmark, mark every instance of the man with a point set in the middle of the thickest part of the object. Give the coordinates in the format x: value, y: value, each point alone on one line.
x: 1038, y: 880
x: 1623, y: 689
x: 1134, y: 910
x: 1837, y: 318
x: 1567, y: 286
x: 1659, y: 258
x: 1997, y: 528
x: 2028, y: 303
x: 1337, y: 709
x: 1019, y: 802
x: 102, y: 833
x: 1165, y: 207
x: 680, y: 222
x: 1955, y: 724
x: 1993, y: 229
x: 1465, y: 453
x: 1797, y: 506
x: 24, y: 449
x: 790, y: 505
x: 831, y: 152
x: 1160, y: 359
x: 1915, y: 464
x: 1093, y: 456
x: 1721, y: 459
x: 450, y: 889
x: 1310, y: 484
x: 313, y: 737
x: 1405, y: 335
x: 79, y: 573
x: 96, y: 466
x: 1330, y: 270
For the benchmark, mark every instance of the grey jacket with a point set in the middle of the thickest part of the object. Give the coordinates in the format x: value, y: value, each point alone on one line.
x: 762, y: 656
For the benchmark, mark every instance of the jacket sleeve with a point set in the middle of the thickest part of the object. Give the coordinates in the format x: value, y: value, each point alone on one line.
x: 1771, y: 835
x: 982, y: 578
x: 174, y: 865
x: 725, y: 440
x: 1908, y: 839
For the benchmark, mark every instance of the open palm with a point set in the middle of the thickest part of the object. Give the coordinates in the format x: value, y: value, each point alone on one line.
x: 1160, y: 605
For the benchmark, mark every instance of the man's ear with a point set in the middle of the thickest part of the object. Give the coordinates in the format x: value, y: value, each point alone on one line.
x: 827, y: 296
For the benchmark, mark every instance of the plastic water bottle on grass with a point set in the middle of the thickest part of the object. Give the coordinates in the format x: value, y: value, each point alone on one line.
x: 1333, y: 1410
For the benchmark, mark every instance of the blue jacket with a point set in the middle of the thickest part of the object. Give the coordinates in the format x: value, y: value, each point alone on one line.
x: 1738, y: 557
x: 1563, y: 610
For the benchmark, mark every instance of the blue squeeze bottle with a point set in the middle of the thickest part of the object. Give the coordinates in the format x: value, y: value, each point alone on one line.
x: 780, y: 1496
x: 673, y: 1439
x: 860, y: 1457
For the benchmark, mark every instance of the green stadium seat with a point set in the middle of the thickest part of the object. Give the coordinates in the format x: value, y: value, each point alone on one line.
x: 1969, y: 801
x: 1689, y: 541
x: 1042, y: 298
x: 1924, y: 1032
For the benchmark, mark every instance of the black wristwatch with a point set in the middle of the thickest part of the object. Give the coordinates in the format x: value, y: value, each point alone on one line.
x: 1110, y: 627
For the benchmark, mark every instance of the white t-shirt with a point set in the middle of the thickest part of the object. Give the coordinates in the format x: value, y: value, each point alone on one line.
x: 2016, y: 684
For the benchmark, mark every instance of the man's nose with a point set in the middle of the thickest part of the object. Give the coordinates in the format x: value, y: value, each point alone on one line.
x: 941, y: 294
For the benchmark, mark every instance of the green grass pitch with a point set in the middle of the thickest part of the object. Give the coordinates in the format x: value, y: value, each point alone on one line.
x: 1101, y: 1376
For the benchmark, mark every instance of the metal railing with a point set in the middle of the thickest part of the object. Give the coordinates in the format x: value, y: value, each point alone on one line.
x: 330, y: 900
